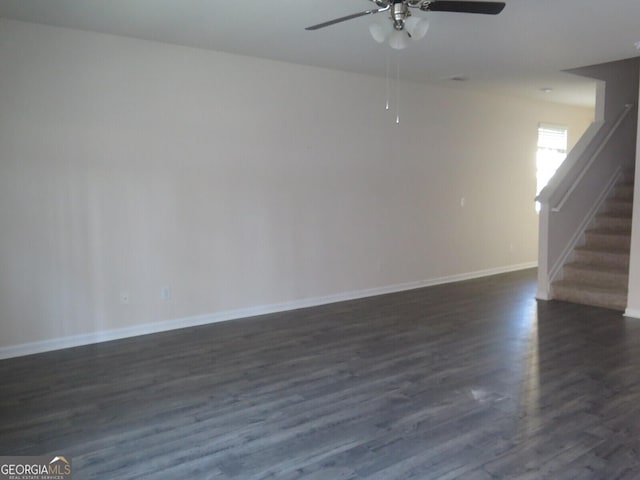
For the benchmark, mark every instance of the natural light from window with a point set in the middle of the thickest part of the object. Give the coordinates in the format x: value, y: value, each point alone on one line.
x: 552, y: 150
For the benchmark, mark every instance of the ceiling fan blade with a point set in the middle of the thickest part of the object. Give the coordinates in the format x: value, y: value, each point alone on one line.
x: 486, y: 8
x: 348, y: 17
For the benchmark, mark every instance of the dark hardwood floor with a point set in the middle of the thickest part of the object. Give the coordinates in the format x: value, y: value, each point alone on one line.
x: 473, y: 380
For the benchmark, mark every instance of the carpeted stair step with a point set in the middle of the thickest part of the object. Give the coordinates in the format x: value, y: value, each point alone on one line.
x: 613, y: 220
x: 584, y: 273
x: 628, y: 177
x: 617, y: 238
x: 624, y: 191
x: 617, y: 205
x: 602, y: 256
x: 589, y: 294
x: 598, y: 274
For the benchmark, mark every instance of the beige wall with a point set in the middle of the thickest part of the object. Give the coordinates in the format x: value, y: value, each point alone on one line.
x: 129, y: 166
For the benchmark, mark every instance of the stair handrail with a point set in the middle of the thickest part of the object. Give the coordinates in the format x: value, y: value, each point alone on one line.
x: 625, y: 111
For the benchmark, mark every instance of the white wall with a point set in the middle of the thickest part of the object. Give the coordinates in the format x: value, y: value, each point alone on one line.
x: 633, y: 299
x: 128, y: 165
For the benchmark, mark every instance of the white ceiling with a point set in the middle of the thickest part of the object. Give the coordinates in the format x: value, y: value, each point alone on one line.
x: 523, y: 49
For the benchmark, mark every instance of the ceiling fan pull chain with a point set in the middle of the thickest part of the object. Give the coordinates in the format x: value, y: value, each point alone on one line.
x: 397, y: 88
x: 387, y: 89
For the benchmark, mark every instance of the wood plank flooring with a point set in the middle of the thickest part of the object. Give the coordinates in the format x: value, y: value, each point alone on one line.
x: 473, y: 380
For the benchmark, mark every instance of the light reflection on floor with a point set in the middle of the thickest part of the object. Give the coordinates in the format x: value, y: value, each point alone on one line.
x: 530, y: 397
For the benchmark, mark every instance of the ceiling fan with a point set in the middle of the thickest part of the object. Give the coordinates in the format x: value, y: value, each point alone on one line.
x: 400, y: 10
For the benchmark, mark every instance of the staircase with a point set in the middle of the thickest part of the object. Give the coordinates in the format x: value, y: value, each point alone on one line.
x: 598, y: 273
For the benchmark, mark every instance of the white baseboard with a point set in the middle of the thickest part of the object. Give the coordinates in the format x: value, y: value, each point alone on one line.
x: 164, y: 326
x: 632, y: 313
x: 543, y: 295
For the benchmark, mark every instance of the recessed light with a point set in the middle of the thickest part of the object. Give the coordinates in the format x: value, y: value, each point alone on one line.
x: 546, y: 89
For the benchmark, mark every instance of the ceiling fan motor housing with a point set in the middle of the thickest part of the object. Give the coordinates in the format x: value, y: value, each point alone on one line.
x: 399, y: 12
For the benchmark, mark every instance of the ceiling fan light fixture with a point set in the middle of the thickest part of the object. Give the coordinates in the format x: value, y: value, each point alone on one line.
x: 379, y: 32
x: 398, y: 40
x: 416, y: 27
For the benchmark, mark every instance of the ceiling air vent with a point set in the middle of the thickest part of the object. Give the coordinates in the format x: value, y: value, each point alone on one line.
x: 458, y: 78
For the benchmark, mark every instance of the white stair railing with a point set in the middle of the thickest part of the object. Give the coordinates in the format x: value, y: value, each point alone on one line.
x: 605, y: 141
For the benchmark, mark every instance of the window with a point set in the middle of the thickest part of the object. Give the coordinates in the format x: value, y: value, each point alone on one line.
x: 552, y: 150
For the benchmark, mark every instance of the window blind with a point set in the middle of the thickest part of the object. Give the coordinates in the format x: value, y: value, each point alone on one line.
x: 552, y: 137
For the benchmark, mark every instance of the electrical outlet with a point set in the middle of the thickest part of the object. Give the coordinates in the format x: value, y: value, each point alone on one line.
x: 124, y: 298
x: 165, y: 294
